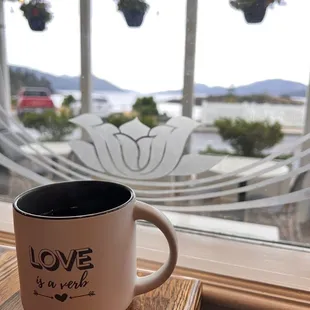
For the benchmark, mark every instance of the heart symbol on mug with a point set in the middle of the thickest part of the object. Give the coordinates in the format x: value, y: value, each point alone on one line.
x: 62, y: 297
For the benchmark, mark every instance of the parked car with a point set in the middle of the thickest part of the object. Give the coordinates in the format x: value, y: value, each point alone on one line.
x: 34, y: 100
x: 100, y: 106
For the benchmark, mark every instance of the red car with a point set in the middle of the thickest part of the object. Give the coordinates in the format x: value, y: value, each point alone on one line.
x: 34, y: 100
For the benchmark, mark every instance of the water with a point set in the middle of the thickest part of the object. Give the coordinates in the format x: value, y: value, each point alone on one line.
x: 123, y: 102
x: 287, y: 115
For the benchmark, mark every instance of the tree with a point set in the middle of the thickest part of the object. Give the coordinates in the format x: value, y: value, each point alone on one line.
x: 249, y: 138
x: 25, y: 77
x: 145, y: 106
x: 118, y: 119
x: 52, y: 125
x: 68, y: 100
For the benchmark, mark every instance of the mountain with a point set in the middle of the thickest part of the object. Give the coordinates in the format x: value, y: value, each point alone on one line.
x: 204, y: 89
x: 20, y: 78
x: 275, y: 87
x: 65, y: 82
x: 298, y: 93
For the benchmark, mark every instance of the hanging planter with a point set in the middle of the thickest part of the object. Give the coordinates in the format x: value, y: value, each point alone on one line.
x: 133, y: 10
x: 254, y: 10
x: 37, y: 14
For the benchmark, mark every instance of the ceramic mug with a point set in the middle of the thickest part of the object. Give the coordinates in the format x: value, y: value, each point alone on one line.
x: 76, y: 246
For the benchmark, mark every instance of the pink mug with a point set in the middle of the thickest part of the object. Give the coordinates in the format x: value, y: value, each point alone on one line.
x: 76, y: 246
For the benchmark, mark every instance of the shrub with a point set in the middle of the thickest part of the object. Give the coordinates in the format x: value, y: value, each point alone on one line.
x: 145, y: 106
x: 68, y: 100
x: 119, y: 119
x: 13, y: 102
x: 211, y: 150
x: 249, y: 138
x: 53, y: 126
x: 139, y: 5
x: 42, y: 7
x: 148, y: 120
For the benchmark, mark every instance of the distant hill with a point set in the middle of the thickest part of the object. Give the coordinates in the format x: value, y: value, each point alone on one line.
x: 204, y: 89
x: 20, y: 78
x: 275, y: 87
x: 298, y: 93
x: 65, y: 82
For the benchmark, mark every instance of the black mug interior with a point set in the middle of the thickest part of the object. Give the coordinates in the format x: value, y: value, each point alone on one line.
x: 73, y: 199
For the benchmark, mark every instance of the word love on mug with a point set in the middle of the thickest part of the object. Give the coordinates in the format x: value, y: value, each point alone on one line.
x: 59, y: 261
x: 52, y: 260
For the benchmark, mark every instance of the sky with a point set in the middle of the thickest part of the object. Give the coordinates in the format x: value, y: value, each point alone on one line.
x: 151, y: 58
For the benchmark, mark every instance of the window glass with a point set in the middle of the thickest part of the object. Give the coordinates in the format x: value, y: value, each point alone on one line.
x: 236, y: 164
x: 33, y: 93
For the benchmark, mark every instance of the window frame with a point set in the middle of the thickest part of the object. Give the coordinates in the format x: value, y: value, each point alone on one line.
x: 229, y: 269
x: 238, y: 286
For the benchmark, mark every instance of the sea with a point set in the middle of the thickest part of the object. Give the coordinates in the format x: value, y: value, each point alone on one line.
x: 290, y: 116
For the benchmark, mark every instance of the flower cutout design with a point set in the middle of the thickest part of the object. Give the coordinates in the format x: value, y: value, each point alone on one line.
x: 136, y: 151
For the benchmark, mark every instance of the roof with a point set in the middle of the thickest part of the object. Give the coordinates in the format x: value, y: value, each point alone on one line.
x: 233, y: 163
x: 36, y: 89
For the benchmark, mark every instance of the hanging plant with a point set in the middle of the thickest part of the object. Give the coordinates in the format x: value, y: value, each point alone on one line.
x: 133, y: 10
x: 254, y: 10
x: 37, y: 13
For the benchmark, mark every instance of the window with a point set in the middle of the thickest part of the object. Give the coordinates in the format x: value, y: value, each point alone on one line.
x: 231, y: 175
x: 101, y: 100
x: 33, y: 93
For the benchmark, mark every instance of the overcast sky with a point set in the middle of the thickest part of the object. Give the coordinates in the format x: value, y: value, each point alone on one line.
x: 150, y: 58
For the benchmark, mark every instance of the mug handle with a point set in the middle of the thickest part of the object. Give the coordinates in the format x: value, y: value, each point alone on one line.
x: 143, y: 211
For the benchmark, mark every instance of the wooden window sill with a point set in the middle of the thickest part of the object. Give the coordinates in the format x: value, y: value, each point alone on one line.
x: 235, y: 274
